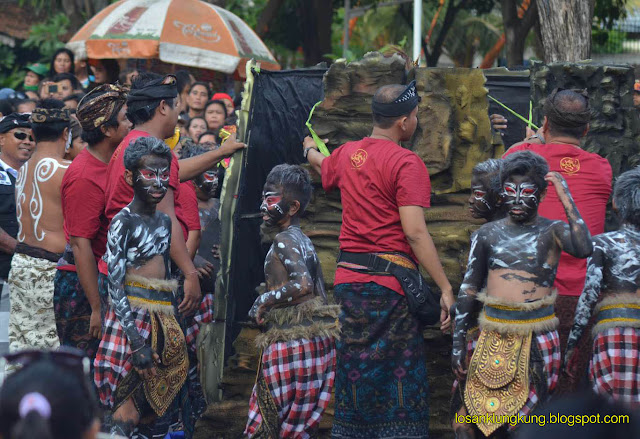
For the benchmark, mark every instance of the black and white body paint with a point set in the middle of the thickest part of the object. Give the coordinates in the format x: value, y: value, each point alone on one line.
x: 292, y: 272
x: 613, y: 268
x: 132, y: 241
x: 519, y: 253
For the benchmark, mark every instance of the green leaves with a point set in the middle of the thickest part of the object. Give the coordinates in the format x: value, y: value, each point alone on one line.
x: 46, y: 36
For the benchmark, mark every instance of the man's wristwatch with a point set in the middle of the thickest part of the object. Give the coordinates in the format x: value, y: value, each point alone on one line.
x: 306, y: 150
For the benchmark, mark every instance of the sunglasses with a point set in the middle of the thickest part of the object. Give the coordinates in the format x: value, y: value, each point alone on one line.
x: 21, y: 136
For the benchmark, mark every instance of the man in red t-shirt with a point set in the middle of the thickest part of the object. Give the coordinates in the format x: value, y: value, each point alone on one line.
x: 384, y: 189
x: 102, y: 115
x: 589, y: 176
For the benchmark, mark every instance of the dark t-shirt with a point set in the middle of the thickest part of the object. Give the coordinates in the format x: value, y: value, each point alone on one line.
x: 8, y: 220
x: 375, y: 177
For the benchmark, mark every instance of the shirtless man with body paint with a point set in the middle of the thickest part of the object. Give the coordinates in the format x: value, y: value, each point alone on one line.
x: 613, y: 280
x: 298, y: 350
x: 142, y: 299
x: 41, y: 239
x: 516, y: 258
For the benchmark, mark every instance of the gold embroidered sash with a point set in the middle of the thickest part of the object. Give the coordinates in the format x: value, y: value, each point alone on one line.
x: 498, y: 378
x: 171, y: 374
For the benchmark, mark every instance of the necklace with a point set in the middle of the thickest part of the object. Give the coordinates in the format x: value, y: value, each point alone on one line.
x: 382, y: 135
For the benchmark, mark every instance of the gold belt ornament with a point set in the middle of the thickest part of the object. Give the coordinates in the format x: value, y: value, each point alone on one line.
x: 498, y: 377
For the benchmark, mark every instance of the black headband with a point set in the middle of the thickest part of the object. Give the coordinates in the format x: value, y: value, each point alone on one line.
x: 402, y: 105
x: 14, y: 120
x: 50, y: 115
x: 156, y: 89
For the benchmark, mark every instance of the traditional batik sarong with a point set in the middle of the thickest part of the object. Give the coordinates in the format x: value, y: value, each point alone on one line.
x: 381, y: 386
x: 32, y: 322
x: 296, y: 372
x: 73, y: 313
x: 614, y: 370
x: 153, y: 308
x: 513, y: 361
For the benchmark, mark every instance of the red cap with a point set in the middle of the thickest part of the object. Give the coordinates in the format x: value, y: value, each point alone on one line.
x: 221, y: 96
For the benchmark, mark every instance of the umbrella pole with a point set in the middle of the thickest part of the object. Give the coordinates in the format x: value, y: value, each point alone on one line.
x: 417, y: 28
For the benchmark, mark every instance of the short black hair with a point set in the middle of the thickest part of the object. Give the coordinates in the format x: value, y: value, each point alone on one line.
x: 385, y: 95
x: 489, y: 172
x: 294, y: 181
x: 525, y: 163
x: 6, y: 107
x: 74, y: 97
x: 208, y: 133
x: 52, y: 71
x: 183, y: 79
x: 122, y: 77
x: 194, y: 118
x: 140, y: 112
x: 193, y: 149
x: 68, y: 393
x: 202, y: 84
x: 217, y: 102
x: 75, y: 84
x: 112, y: 68
x: 143, y: 146
x: 25, y: 101
x: 568, y: 101
x: 626, y: 195
x: 49, y: 132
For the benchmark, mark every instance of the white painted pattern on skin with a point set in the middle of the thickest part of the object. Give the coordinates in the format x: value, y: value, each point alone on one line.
x: 20, y: 197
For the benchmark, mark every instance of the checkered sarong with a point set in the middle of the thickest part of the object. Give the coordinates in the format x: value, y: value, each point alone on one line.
x: 300, y: 375
x: 113, y: 359
x: 614, y: 369
x: 549, y: 345
x: 203, y: 315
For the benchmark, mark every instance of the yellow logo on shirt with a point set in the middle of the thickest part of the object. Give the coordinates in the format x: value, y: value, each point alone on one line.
x: 570, y: 165
x: 358, y: 158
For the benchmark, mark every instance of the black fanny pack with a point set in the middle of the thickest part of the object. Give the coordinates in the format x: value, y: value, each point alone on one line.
x: 422, y: 302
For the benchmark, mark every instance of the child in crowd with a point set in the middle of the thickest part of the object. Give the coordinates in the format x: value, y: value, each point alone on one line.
x: 297, y: 368
x: 613, y: 279
x: 142, y: 361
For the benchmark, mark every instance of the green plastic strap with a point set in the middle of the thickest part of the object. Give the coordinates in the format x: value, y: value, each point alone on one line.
x: 522, y: 118
x: 319, y: 143
x: 530, y: 114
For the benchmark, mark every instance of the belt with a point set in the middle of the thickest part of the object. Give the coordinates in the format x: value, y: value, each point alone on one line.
x: 374, y: 262
x: 514, y: 314
x: 37, y: 252
x: 621, y: 312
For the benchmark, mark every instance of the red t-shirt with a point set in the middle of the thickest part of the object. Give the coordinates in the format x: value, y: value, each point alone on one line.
x: 118, y: 193
x: 189, y: 205
x: 589, y: 178
x: 82, y: 193
x: 375, y: 178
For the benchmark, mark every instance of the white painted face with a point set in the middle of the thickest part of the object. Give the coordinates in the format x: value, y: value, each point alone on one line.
x: 521, y: 197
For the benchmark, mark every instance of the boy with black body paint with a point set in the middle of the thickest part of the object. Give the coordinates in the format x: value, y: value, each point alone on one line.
x: 516, y: 358
x: 142, y: 361
x: 297, y: 368
x: 613, y: 278
x: 484, y: 201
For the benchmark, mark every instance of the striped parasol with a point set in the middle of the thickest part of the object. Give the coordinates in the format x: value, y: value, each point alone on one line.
x: 185, y: 32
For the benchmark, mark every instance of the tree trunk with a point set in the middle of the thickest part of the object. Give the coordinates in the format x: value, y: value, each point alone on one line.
x: 434, y: 55
x: 516, y: 28
x: 566, y: 29
x: 267, y: 15
x: 315, y: 21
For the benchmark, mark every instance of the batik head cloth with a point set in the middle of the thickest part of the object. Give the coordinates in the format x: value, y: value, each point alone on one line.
x: 403, y: 104
x: 566, y: 119
x: 100, y: 104
x: 50, y: 115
